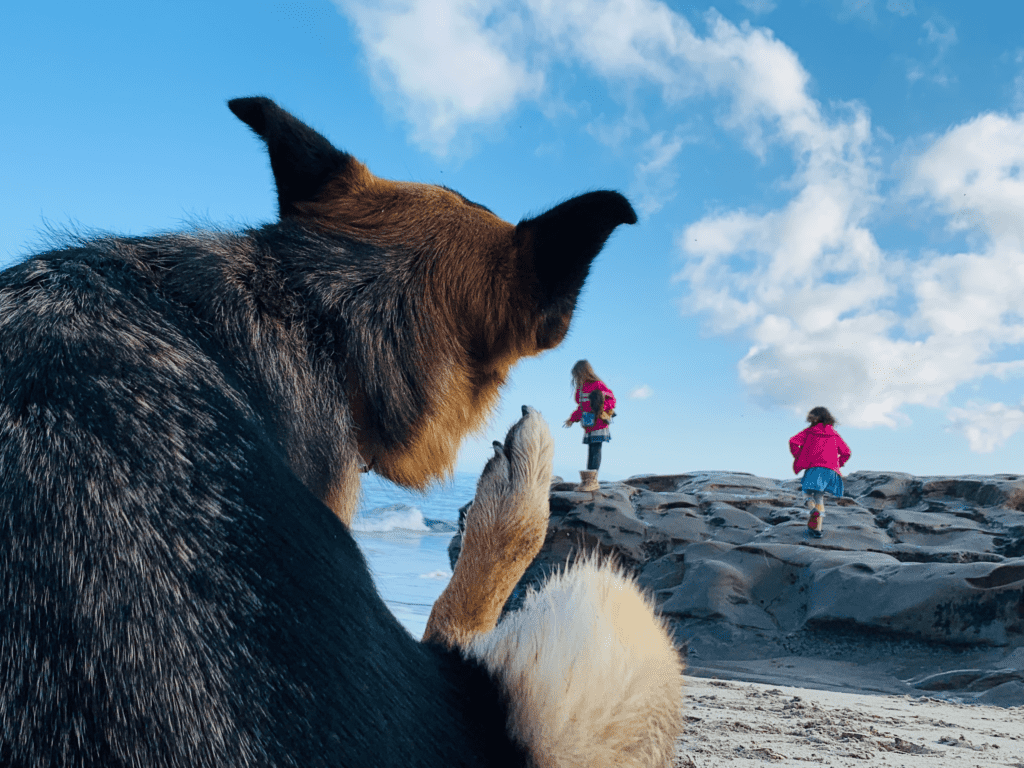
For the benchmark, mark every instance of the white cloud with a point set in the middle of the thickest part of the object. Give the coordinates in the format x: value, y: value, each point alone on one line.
x: 987, y: 427
x: 809, y: 285
x: 448, y: 62
x: 973, y: 176
x: 811, y: 291
x: 455, y: 62
x: 641, y: 393
x: 807, y: 281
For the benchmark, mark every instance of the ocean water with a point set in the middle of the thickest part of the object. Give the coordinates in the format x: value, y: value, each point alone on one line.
x: 404, y: 536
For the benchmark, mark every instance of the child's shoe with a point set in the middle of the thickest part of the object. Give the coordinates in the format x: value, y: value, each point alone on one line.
x: 589, y: 481
x: 814, y: 525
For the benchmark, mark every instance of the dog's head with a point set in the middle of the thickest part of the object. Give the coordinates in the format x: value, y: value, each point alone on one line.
x: 435, y: 297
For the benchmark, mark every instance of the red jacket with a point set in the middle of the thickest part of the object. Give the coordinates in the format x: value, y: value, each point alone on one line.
x: 584, y: 404
x: 818, y: 446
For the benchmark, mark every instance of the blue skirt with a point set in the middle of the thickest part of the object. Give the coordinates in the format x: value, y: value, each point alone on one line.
x: 822, y: 479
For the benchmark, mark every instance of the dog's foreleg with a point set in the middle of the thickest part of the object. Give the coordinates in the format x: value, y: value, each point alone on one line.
x: 505, y: 529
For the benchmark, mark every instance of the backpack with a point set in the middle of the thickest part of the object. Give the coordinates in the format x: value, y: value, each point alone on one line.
x: 596, y: 400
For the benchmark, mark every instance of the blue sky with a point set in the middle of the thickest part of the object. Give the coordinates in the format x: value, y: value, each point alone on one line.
x: 830, y: 191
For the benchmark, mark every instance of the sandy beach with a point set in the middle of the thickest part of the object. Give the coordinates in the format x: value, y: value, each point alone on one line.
x: 732, y: 723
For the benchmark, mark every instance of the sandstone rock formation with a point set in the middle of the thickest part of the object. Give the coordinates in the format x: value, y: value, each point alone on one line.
x: 918, y: 581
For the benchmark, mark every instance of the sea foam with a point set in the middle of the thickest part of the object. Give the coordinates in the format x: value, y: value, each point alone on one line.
x: 390, y: 518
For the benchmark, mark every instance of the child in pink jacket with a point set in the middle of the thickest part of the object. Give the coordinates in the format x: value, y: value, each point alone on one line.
x: 820, y: 451
x: 595, y: 423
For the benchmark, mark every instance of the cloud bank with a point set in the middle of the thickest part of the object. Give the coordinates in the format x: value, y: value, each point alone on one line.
x: 830, y: 315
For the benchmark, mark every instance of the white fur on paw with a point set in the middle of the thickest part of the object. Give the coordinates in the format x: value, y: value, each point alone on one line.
x: 517, y: 479
x: 591, y: 674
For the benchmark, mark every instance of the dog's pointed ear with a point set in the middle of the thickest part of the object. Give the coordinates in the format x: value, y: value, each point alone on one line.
x: 558, y: 248
x: 303, y: 161
x: 561, y: 244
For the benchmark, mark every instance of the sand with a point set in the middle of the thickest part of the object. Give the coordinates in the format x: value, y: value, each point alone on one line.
x: 732, y: 723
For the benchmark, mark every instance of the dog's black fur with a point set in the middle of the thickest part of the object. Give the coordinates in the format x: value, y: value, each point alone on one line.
x: 182, y: 418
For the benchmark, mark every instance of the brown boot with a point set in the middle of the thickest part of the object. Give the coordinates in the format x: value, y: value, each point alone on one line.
x: 588, y: 478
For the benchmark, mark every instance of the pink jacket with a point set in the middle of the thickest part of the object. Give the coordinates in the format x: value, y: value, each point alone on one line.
x: 584, y: 404
x: 818, y: 446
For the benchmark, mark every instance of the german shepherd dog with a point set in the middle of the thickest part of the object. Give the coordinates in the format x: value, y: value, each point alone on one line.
x: 183, y: 418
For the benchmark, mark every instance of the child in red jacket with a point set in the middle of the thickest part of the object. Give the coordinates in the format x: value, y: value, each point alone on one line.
x: 820, y: 451
x: 595, y: 405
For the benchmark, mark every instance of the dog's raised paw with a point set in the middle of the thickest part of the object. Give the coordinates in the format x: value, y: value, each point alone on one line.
x: 505, y: 529
x: 515, y: 481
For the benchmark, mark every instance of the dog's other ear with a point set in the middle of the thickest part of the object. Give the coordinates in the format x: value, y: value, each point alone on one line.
x: 303, y: 161
x: 560, y: 245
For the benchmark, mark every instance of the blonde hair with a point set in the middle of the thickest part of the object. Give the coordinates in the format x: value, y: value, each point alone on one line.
x: 582, y: 374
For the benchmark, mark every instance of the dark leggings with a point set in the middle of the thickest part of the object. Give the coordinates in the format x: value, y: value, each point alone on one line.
x: 594, y: 456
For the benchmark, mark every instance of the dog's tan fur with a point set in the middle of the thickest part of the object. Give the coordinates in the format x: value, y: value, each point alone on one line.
x: 591, y: 673
x: 503, y: 534
x: 468, y: 266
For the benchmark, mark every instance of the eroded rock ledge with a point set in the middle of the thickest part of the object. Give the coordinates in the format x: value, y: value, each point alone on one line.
x: 927, y: 568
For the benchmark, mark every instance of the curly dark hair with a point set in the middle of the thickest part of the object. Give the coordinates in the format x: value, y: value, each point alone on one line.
x: 820, y: 415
